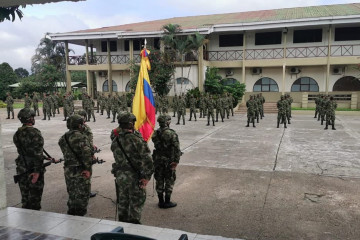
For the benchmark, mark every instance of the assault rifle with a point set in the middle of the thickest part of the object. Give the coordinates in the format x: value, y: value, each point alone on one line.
x: 97, y: 150
x: 47, y: 157
x: 97, y: 161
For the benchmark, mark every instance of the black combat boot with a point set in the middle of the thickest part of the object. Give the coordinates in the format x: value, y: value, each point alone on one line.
x: 216, y: 119
x: 94, y: 119
x: 326, y: 126
x: 319, y: 117
x: 113, y: 119
x: 253, y: 122
x: 208, y: 123
x: 289, y: 121
x: 8, y: 115
x: 213, y: 123
x: 315, y: 115
x: 64, y: 119
x: 333, y: 125
x: 285, y: 124
x: 168, y: 203
x: 58, y: 111
x: 184, y: 121
x: 278, y: 123
x: 322, y: 121
x: 190, y: 119
x: 161, y: 200
x: 247, y: 123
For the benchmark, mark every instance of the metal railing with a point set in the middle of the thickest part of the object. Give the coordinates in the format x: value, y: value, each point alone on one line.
x: 305, y: 52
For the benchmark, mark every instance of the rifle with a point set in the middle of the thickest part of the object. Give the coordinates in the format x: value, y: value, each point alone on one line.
x: 97, y: 161
x: 97, y: 150
x: 52, y: 160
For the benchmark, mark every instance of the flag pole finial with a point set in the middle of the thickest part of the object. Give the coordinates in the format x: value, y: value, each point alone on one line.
x: 145, y: 42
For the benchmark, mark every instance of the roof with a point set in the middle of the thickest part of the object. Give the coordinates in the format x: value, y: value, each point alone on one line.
x: 204, y: 21
x: 9, y: 3
x: 58, y: 84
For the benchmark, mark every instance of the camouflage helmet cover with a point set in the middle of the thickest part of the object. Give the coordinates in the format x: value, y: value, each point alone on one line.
x: 126, y: 117
x: 82, y: 113
x: 25, y: 113
x: 73, y: 122
x: 163, y: 118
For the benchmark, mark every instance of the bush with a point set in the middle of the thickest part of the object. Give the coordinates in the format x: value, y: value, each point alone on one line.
x: 2, y: 104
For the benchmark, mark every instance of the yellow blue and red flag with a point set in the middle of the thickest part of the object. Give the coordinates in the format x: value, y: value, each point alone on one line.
x: 143, y: 103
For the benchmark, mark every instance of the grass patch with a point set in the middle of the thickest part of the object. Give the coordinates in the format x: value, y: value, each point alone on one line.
x: 338, y: 109
x: 21, y: 105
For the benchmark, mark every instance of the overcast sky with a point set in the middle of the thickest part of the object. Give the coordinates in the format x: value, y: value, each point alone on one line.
x: 19, y: 39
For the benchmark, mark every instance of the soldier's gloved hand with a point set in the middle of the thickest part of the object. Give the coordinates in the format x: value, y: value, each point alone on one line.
x: 143, y: 183
x: 86, y: 174
x: 173, y: 165
x: 34, y: 177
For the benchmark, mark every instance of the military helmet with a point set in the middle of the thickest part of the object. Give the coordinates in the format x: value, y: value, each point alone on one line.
x: 163, y: 118
x: 82, y: 113
x: 126, y: 117
x: 25, y: 114
x: 73, y: 122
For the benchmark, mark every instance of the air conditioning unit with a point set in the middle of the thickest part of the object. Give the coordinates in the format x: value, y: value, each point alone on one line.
x: 256, y: 71
x: 103, y: 73
x: 229, y: 72
x: 337, y: 71
x: 295, y: 70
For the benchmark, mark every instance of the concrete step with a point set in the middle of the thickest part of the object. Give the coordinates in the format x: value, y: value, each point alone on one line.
x: 269, y: 107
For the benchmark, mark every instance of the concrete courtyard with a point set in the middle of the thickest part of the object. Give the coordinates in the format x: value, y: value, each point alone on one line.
x: 250, y: 183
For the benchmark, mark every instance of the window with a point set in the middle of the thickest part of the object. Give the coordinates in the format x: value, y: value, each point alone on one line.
x: 347, y: 83
x: 106, y: 86
x: 229, y: 81
x: 305, y: 84
x: 265, y: 84
x: 157, y: 43
x: 268, y: 38
x: 230, y: 40
x: 347, y: 34
x: 306, y: 36
x: 137, y: 44
x: 113, y: 46
x: 185, y: 81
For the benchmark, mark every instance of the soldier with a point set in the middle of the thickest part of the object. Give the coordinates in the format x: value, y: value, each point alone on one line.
x: 251, y: 108
x: 181, y: 109
x: 90, y: 108
x: 27, y: 101
x: 323, y: 109
x: 9, y: 105
x: 288, y: 102
x: 262, y: 101
x: 98, y: 101
x: 281, y: 105
x: 330, y: 113
x: 226, y: 106
x: 56, y: 100
x: 175, y: 104
x: 165, y: 104
x: 219, y: 108
x: 108, y: 106
x: 29, y: 163
x: 67, y: 106
x: 46, y: 106
x: 317, y: 102
x: 78, y: 155
x: 231, y: 103
x: 166, y: 157
x: 35, y: 101
x: 123, y: 105
x: 114, y: 105
x: 210, y: 105
x: 257, y: 108
x: 202, y: 106
x: 192, y: 107
x: 52, y: 104
x: 132, y: 169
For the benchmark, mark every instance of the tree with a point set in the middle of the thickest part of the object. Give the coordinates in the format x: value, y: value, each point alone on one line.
x: 21, y: 72
x: 9, y: 13
x: 160, y: 74
x: 78, y: 76
x: 7, y: 77
x: 180, y: 45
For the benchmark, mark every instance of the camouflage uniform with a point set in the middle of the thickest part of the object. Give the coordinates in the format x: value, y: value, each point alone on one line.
x: 251, y: 108
x: 108, y: 106
x: 210, y: 105
x: 102, y: 103
x: 90, y: 108
x: 219, y: 106
x: 35, y: 101
x: 262, y: 101
x: 52, y: 104
x: 181, y: 107
x: 56, y: 100
x: 165, y: 104
x: 330, y: 113
x: 77, y: 152
x: 192, y: 107
x: 231, y: 103
x: 175, y: 104
x: 166, y: 157
x: 317, y: 102
x: 46, y: 106
x: 9, y: 105
x: 114, y: 105
x: 130, y: 171
x: 324, y: 103
x: 29, y: 144
x: 226, y: 106
x: 27, y: 101
x: 282, y: 106
x: 202, y: 106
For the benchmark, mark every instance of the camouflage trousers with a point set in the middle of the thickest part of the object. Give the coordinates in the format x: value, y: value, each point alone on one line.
x: 181, y: 113
x: 78, y: 189
x: 227, y: 111
x: 192, y: 112
x: 31, y: 193
x: 210, y: 112
x: 281, y: 116
x: 36, y: 109
x: 222, y: 113
x: 10, y: 109
x: 52, y: 108
x: 251, y: 116
x: 46, y: 112
x: 131, y: 199
x: 165, y: 179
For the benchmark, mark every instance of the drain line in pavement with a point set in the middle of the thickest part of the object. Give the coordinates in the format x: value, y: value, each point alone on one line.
x: 277, y: 152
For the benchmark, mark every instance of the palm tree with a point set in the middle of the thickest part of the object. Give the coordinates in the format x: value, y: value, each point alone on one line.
x: 180, y: 45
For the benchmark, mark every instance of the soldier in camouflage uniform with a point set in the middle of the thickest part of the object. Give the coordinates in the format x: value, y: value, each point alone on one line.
x: 132, y: 169
x: 251, y: 108
x: 123, y: 103
x: 114, y: 105
x: 90, y: 108
x: 181, y: 109
x: 98, y: 101
x: 29, y: 163
x: 166, y: 157
x: 52, y: 104
x: 174, y: 104
x: 102, y: 103
x: 35, y: 102
x: 226, y: 106
x: 46, y: 106
x: 257, y: 109
x: 323, y: 109
x: 231, y: 103
x: 164, y: 104
x: 282, y: 106
x: 108, y: 106
x: 262, y: 100
x: 202, y: 106
x: 9, y: 105
x: 219, y: 106
x: 192, y: 102
x: 210, y: 105
x: 67, y: 106
x: 317, y: 102
x: 288, y: 100
x: 56, y: 103
x: 78, y: 156
x: 27, y: 101
x: 330, y: 113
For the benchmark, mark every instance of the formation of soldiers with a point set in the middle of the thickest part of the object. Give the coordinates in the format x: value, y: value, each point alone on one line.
x: 112, y: 104
x: 255, y: 109
x: 325, y: 110
x: 284, y: 110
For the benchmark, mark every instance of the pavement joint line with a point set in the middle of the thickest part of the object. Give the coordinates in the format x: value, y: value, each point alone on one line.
x: 277, y: 152
x: 206, y: 136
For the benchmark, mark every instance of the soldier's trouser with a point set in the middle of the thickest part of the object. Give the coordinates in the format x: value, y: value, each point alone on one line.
x: 210, y: 113
x: 31, y: 193
x: 281, y: 117
x: 36, y: 109
x: 113, y: 113
x: 164, y: 110
x: 57, y: 108
x: 131, y: 199
x: 102, y: 107
x: 330, y: 119
x: 192, y: 111
x: 227, y: 112
x: 232, y: 111
x: 52, y: 109
x: 10, y: 109
x: 46, y: 112
x: 78, y: 189
x: 221, y: 114
x: 180, y: 113
x: 165, y: 179
x: 108, y: 112
x: 90, y: 113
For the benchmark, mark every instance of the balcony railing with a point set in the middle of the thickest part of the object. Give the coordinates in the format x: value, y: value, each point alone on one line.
x: 306, y: 52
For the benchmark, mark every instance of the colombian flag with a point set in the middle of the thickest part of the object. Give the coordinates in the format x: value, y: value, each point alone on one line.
x: 143, y: 103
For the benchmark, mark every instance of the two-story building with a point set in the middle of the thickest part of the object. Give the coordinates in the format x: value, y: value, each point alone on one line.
x: 303, y: 51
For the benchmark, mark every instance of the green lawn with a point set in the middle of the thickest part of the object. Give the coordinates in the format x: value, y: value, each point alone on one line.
x: 21, y: 105
x: 313, y: 109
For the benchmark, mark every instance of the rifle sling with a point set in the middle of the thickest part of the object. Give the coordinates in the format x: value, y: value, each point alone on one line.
x: 72, y: 150
x: 127, y: 158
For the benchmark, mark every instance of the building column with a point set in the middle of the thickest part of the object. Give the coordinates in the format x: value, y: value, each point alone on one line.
x: 328, y: 62
x: 109, y: 67
x: 243, y: 67
x: 88, y: 73
x: 284, y: 33
x: 283, y: 78
x: 201, y: 68
x: 131, y: 50
x: 68, y: 74
x: 354, y: 100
